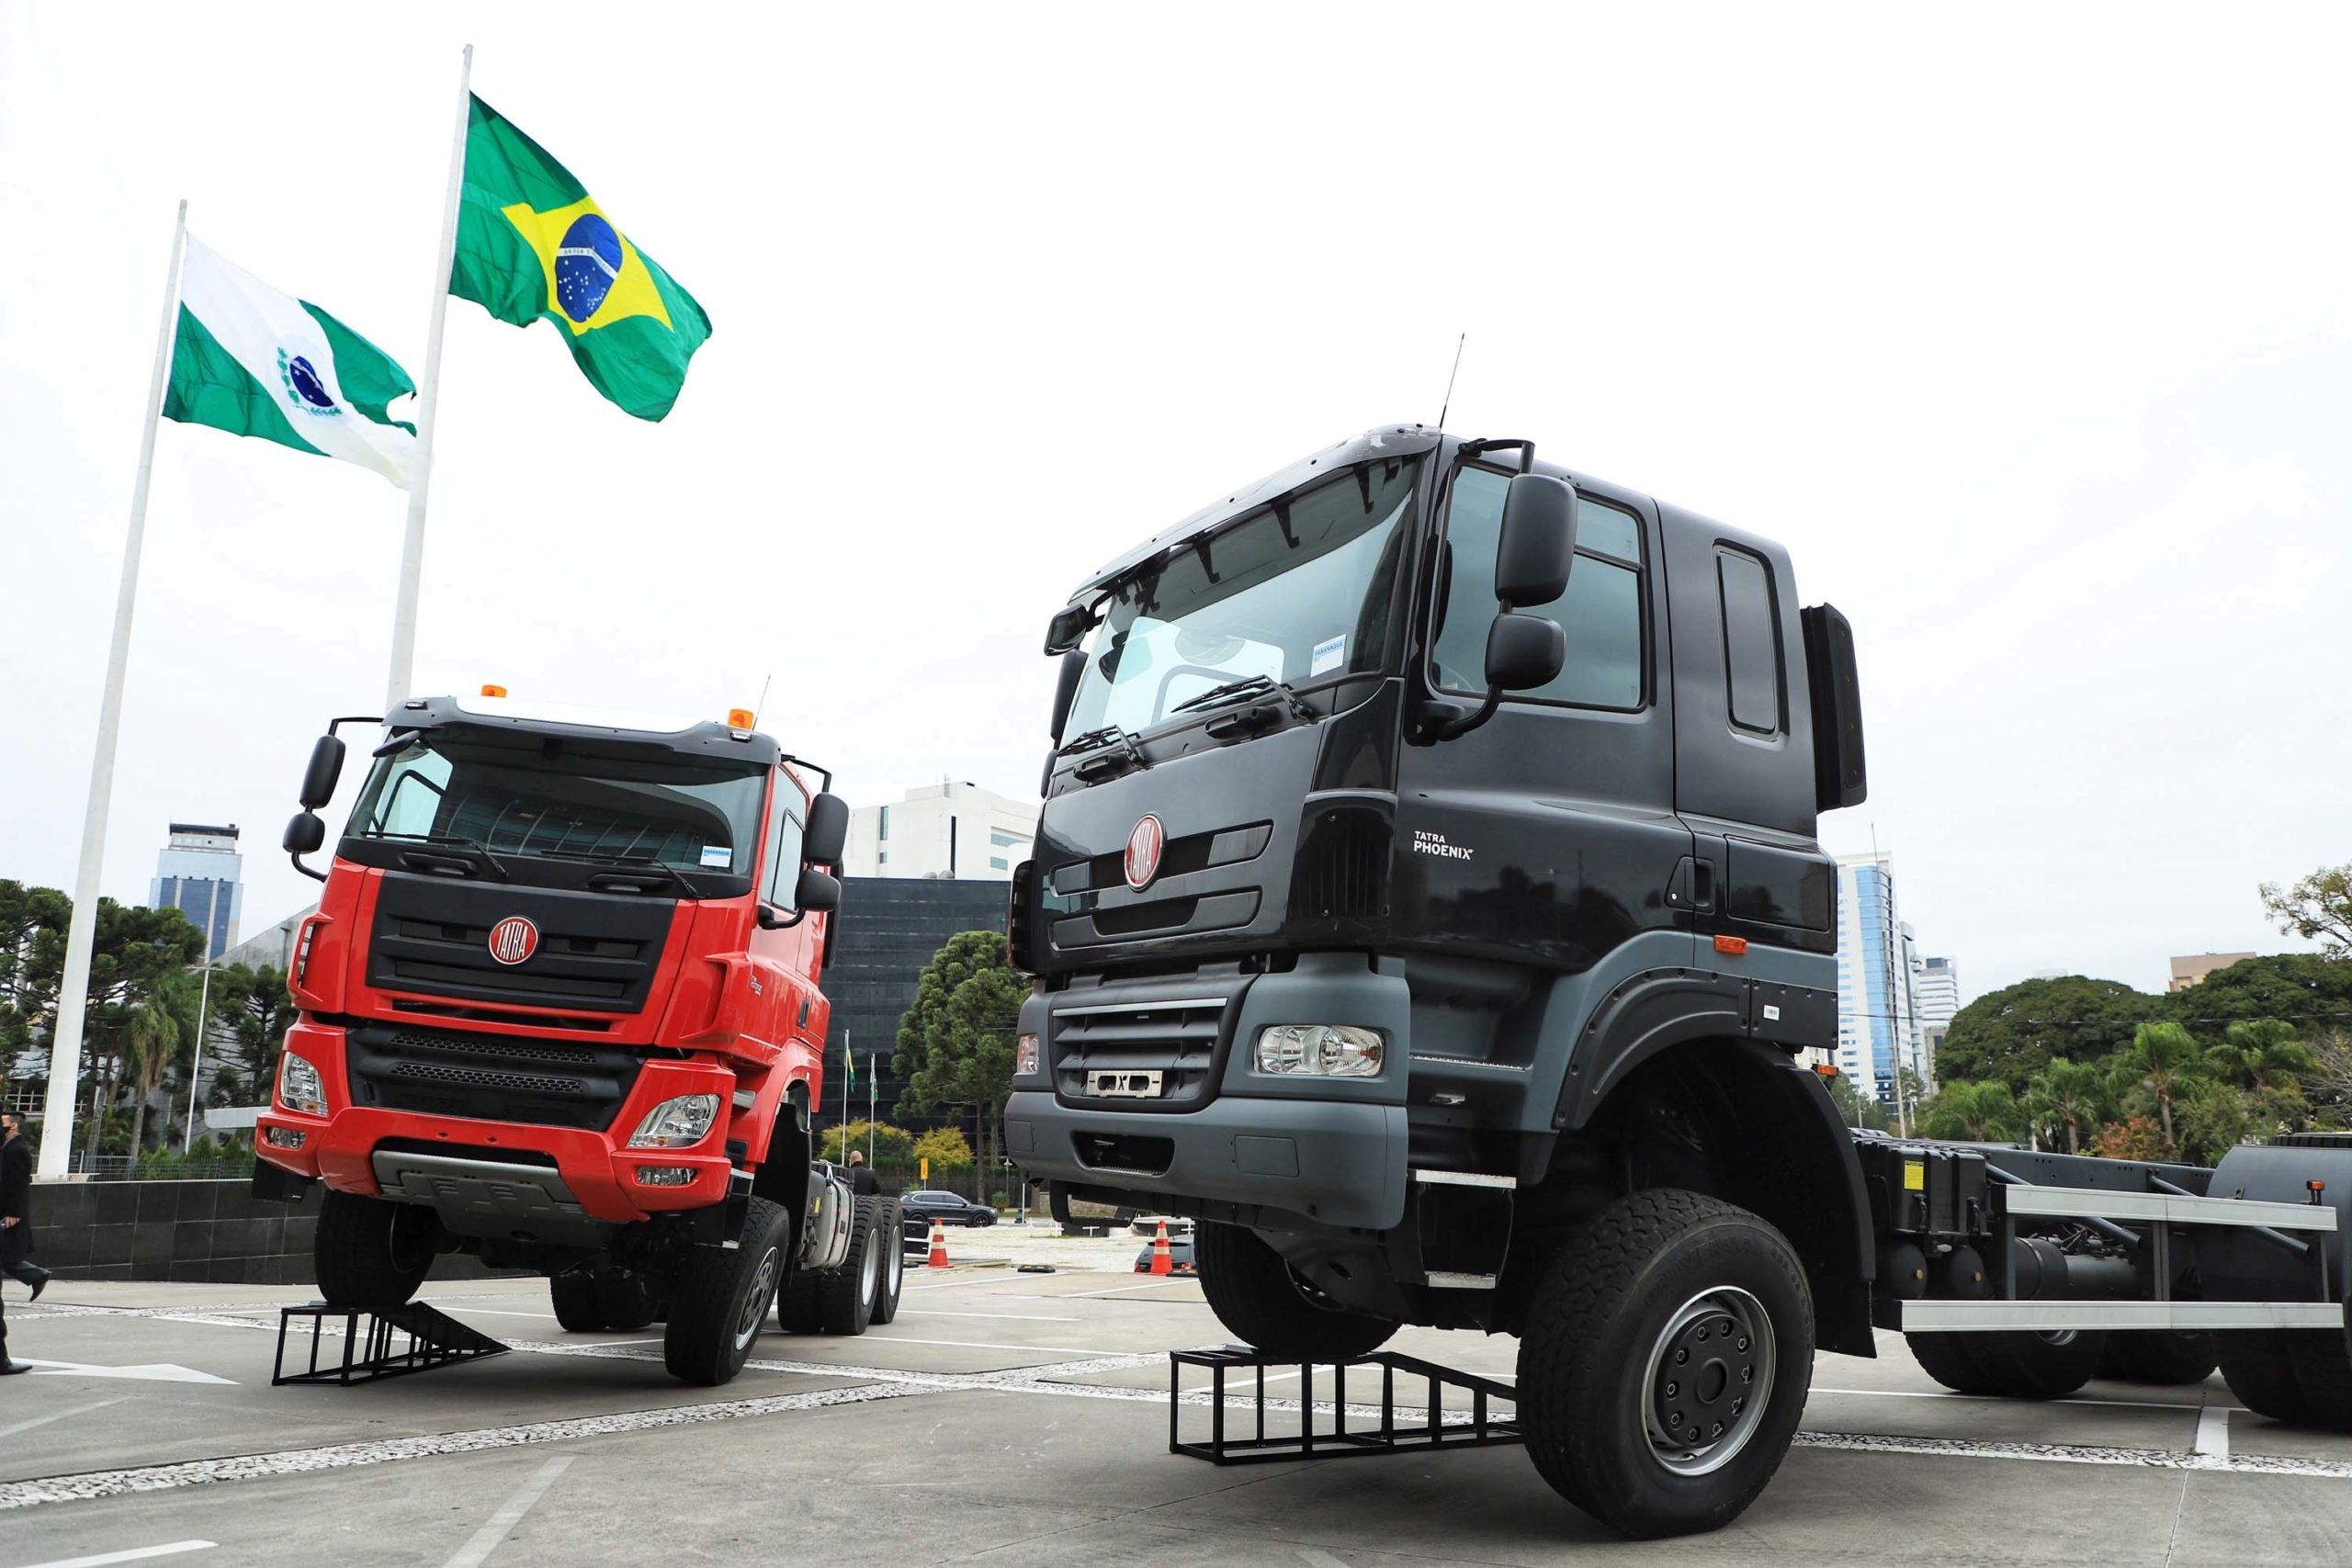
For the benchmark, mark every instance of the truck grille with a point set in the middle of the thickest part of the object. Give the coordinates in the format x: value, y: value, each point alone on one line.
x: 596, y: 951
x: 1342, y: 870
x: 1140, y: 1056
x: 488, y: 1078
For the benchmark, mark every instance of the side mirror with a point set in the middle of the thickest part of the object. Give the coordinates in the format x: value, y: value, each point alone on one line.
x: 828, y: 832
x: 318, y: 779
x: 1069, y: 628
x: 1538, y: 541
x: 304, y: 833
x: 820, y: 891
x: 1524, y: 652
x: 1065, y: 689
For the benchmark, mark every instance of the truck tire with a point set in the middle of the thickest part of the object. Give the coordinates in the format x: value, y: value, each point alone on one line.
x: 1254, y: 1293
x: 795, y: 1303
x: 2259, y: 1365
x: 573, y: 1292
x: 2171, y: 1358
x: 845, y: 1295
x: 1945, y: 1358
x: 372, y: 1252
x: 625, y: 1300
x: 888, y: 1228
x: 2322, y: 1362
x: 719, y: 1303
x: 2027, y: 1364
x: 1668, y: 1307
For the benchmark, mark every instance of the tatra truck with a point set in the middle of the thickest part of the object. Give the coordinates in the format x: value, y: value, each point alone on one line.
x: 1427, y: 901
x: 559, y: 1008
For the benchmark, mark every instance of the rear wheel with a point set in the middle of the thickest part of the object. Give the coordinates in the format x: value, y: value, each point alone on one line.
x: 1945, y: 1358
x: 2173, y: 1357
x: 1254, y: 1293
x: 2260, y: 1370
x: 2322, y: 1362
x: 625, y: 1299
x: 2031, y: 1364
x: 372, y: 1252
x: 889, y: 1242
x: 1665, y: 1363
x: 845, y: 1295
x: 573, y: 1292
x: 719, y: 1303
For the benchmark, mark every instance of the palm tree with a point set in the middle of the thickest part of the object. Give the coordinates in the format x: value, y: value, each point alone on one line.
x: 2160, y: 1057
x: 150, y: 1041
x: 1974, y: 1112
x: 2069, y: 1095
x: 2262, y: 1054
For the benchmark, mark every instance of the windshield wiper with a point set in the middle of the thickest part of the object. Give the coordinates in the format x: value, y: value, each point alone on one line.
x: 1095, y: 768
x: 1249, y: 686
x: 633, y: 863
x: 454, y: 842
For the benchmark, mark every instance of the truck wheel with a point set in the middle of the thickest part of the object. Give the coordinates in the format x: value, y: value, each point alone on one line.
x: 795, y: 1303
x: 2035, y: 1364
x: 889, y: 1242
x: 720, y: 1300
x: 372, y: 1252
x: 845, y: 1295
x: 1945, y: 1358
x: 625, y: 1299
x: 1665, y: 1363
x: 2322, y: 1362
x: 1254, y: 1293
x: 573, y: 1292
x: 2259, y: 1365
x: 2173, y: 1356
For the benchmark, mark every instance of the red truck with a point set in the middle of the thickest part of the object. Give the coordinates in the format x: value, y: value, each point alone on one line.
x: 560, y: 1010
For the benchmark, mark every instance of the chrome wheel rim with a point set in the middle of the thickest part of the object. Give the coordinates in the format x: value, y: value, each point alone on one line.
x: 894, y: 1262
x: 1709, y: 1381
x: 756, y: 1304
x: 869, y: 1268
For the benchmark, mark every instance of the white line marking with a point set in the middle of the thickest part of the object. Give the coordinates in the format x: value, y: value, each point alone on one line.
x: 992, y: 1345
x: 1315, y: 1559
x: 57, y: 1416
x: 1995, y: 1398
x: 152, y: 1371
x: 2213, y: 1431
x: 1005, y: 1278
x: 136, y: 1555
x: 2071, y: 1454
x: 998, y: 1316
x: 505, y: 1311
x: 1154, y: 1285
x: 502, y: 1523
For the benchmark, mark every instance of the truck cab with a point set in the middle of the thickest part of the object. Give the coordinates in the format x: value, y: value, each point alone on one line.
x: 561, y: 1007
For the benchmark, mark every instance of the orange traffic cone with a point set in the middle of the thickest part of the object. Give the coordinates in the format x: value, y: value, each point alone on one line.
x: 938, y: 1245
x: 1160, y: 1263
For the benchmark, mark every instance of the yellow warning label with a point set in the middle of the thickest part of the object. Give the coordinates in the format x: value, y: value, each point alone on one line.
x: 1915, y: 1176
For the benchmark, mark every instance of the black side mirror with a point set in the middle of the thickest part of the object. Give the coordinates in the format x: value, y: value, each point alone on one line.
x: 1524, y: 652
x: 1538, y: 541
x: 304, y: 833
x: 1069, y: 628
x: 1065, y: 689
x: 818, y: 893
x: 827, y: 833
x: 318, y: 779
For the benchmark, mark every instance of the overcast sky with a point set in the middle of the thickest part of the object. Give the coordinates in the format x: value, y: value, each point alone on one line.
x: 2029, y: 330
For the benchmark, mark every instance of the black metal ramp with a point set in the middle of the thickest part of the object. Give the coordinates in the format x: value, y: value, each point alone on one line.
x: 429, y: 1338
x: 1432, y: 1426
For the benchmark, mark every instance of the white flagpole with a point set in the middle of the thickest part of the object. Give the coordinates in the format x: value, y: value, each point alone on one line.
x: 74, y: 987
x: 428, y: 406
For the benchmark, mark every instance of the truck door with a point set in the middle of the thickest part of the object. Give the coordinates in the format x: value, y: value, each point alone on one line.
x: 1549, y: 832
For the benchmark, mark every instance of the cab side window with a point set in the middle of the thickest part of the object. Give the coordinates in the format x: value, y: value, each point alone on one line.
x: 781, y: 875
x: 1601, y: 612
x: 1751, y: 641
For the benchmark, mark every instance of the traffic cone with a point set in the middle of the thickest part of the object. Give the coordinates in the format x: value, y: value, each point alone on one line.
x: 1160, y: 1262
x: 938, y: 1244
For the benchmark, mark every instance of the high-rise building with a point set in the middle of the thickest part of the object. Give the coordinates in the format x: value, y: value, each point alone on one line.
x: 200, y: 873
x: 1878, y: 1023
x: 950, y: 830
x: 1935, y: 984
x: 2187, y: 972
x: 890, y: 928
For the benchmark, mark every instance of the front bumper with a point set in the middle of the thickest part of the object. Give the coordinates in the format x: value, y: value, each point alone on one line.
x: 1315, y: 1152
x: 599, y: 1174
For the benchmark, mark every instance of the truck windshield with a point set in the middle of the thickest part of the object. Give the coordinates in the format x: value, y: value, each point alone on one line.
x: 1294, y: 593
x: 518, y: 793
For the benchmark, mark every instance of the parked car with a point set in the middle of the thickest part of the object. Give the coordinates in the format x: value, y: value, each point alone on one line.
x: 945, y: 1207
x: 1147, y: 1225
x: 1179, y: 1258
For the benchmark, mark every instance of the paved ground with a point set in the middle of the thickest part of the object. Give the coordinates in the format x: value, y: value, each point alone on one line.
x: 1017, y: 1418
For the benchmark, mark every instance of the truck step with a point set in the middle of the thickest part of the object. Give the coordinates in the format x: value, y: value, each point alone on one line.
x: 2082, y: 1203
x: 1946, y: 1316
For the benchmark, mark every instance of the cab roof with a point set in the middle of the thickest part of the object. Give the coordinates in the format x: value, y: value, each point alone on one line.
x: 699, y: 736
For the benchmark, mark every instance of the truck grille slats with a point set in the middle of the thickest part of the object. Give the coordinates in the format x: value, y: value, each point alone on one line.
x: 1148, y: 1055
x: 595, y: 951
x: 488, y: 1078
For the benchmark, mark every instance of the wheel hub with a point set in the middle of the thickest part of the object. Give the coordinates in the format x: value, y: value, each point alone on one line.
x: 1710, y: 1375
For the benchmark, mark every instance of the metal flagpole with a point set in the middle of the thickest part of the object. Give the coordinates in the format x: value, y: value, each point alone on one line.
x: 74, y: 987
x: 196, y: 1071
x: 850, y: 1063
x: 428, y: 406
x: 872, y: 1103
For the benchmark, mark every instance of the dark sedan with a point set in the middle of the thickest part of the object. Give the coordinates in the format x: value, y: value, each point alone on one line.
x: 946, y: 1208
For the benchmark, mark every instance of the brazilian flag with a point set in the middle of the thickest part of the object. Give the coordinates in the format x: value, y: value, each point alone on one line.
x: 532, y: 243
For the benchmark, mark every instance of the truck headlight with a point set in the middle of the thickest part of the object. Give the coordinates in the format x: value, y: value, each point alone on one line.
x: 1024, y: 1056
x: 300, y: 1087
x: 676, y: 1124
x: 1322, y: 1050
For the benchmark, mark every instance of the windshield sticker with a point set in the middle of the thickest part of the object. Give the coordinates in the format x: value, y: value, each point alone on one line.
x: 1330, y: 654
x: 718, y: 857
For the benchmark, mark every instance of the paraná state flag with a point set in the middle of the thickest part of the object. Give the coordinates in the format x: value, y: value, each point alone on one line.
x: 253, y: 361
x: 532, y: 243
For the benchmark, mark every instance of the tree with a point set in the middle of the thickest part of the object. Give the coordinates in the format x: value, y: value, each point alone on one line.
x: 150, y: 1041
x: 2327, y: 1090
x: 945, y: 1147
x: 2318, y: 909
x: 1973, y: 1112
x: 2012, y: 1033
x: 2066, y: 1099
x: 2302, y: 989
x: 2136, y: 1137
x: 251, y: 1007
x: 955, y: 1044
x: 1856, y: 1109
x: 2213, y: 1118
x: 890, y: 1142
x: 28, y: 990
x: 2162, y: 1059
x: 2261, y: 1053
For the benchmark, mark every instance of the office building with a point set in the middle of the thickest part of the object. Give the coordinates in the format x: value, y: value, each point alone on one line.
x: 891, y: 927
x: 1877, y: 1021
x: 2187, y: 972
x: 200, y: 873
x: 1936, y: 985
x: 942, y: 831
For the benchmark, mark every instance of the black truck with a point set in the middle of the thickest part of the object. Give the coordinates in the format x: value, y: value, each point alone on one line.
x: 1427, y: 901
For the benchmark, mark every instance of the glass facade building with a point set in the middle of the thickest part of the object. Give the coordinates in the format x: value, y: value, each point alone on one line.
x: 200, y: 873
x: 890, y: 928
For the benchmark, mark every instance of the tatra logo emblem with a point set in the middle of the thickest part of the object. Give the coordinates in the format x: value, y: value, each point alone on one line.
x: 1143, y: 853
x: 514, y: 939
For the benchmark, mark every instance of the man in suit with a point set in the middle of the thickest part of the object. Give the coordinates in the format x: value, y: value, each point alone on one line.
x: 15, y: 1205
x: 863, y: 1183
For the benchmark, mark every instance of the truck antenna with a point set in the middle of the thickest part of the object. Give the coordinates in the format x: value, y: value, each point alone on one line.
x: 1448, y: 406
x: 761, y: 706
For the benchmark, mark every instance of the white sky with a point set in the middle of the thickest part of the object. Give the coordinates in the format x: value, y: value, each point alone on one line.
x: 2029, y: 331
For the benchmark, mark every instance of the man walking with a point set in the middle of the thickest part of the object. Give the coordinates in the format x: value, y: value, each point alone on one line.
x: 15, y: 1205
x: 863, y: 1183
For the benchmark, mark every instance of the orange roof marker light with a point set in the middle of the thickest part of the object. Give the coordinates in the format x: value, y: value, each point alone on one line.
x: 491, y: 691
x: 739, y: 719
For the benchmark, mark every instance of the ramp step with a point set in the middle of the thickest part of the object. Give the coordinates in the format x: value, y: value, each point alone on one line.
x: 429, y: 1338
x: 1427, y: 1423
